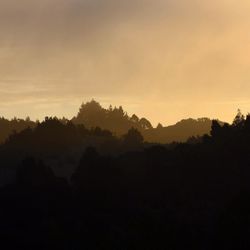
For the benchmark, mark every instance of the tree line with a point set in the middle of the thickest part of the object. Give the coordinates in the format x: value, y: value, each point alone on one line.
x: 193, y: 195
x: 91, y: 114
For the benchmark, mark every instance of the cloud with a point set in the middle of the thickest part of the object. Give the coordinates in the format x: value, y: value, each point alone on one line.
x: 154, y: 53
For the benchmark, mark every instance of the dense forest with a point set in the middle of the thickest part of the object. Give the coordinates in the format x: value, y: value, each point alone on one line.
x: 70, y: 185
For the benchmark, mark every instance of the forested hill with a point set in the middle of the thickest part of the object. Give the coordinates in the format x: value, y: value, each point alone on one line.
x: 60, y: 188
x: 116, y: 120
x: 92, y: 114
x: 8, y: 127
x: 180, y: 132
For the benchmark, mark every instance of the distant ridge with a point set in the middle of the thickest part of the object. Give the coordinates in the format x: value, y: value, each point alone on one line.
x: 91, y: 114
x: 179, y: 132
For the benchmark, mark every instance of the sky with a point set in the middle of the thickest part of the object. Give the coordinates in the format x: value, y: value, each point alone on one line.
x: 165, y: 60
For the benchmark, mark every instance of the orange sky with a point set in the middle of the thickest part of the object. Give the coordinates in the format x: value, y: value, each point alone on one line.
x: 162, y: 59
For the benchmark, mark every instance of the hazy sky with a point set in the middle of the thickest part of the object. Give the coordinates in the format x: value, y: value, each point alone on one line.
x: 162, y: 59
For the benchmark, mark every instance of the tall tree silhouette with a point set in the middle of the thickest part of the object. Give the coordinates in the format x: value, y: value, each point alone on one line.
x: 133, y: 139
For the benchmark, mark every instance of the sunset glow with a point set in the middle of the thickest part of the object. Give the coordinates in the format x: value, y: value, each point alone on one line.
x: 162, y: 59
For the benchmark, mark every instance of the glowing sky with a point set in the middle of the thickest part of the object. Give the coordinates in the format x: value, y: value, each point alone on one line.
x: 162, y: 59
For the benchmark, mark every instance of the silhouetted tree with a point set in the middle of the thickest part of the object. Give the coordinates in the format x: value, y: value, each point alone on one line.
x: 133, y: 139
x: 159, y: 126
x: 239, y: 119
x: 145, y: 124
x: 134, y: 118
x: 216, y: 129
x: 91, y: 114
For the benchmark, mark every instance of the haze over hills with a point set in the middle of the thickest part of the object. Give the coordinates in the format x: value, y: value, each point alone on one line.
x: 179, y: 132
x: 91, y: 114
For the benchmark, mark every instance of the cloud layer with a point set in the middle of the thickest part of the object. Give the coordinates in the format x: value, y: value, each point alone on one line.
x: 180, y: 57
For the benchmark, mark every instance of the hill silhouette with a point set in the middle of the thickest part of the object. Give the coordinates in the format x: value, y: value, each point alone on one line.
x: 179, y: 132
x: 7, y: 127
x: 91, y: 114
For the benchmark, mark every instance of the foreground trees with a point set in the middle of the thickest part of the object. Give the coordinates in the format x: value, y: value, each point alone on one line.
x: 193, y: 195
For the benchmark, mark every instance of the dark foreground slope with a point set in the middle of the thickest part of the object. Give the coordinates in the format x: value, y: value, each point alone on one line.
x: 182, y: 196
